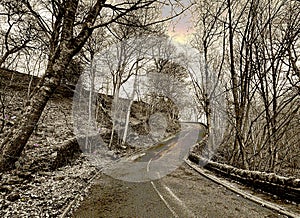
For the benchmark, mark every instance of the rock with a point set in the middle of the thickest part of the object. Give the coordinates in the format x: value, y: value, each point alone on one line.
x: 13, y: 196
x: 69, y: 151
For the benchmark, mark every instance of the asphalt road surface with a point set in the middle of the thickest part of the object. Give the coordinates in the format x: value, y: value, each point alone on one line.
x: 157, y: 183
x: 183, y: 193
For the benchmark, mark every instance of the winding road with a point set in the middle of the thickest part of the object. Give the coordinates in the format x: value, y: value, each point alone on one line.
x: 183, y: 193
x: 157, y: 183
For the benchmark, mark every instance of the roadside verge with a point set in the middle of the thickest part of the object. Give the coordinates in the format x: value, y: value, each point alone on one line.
x: 246, y: 195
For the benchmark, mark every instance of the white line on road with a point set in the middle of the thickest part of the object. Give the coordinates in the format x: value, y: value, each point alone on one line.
x: 159, y: 194
x: 163, y: 199
x: 172, y: 194
x: 148, y: 164
x: 180, y: 202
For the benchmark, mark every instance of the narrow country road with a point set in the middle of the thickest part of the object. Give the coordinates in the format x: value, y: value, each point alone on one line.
x: 157, y: 183
x: 183, y: 193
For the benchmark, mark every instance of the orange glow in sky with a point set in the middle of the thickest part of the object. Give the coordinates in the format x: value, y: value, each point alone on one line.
x: 180, y: 35
x: 181, y: 28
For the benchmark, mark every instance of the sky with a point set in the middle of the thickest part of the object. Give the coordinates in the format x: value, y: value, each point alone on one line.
x: 180, y: 28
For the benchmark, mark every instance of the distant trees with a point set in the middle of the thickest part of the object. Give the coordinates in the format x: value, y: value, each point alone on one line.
x: 207, y: 77
x: 145, y: 59
x: 259, y: 45
x: 16, y: 34
x: 65, y: 27
x: 208, y: 30
x: 123, y: 61
x: 249, y: 50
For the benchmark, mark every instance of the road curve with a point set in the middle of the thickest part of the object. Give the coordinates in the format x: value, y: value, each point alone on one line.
x: 183, y: 193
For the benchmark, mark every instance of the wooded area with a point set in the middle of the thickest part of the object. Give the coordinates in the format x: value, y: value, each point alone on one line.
x: 253, y: 48
x: 249, y: 50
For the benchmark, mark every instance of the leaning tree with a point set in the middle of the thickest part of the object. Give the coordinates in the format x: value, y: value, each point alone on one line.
x: 66, y: 26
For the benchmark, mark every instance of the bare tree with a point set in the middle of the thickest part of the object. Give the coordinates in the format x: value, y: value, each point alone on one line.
x: 208, y: 31
x: 67, y: 32
x: 260, y: 48
x: 18, y: 32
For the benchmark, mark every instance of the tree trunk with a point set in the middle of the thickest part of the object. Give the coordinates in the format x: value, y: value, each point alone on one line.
x: 129, y: 109
x: 63, y: 47
x: 238, y: 108
x: 18, y: 136
x: 115, y: 110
